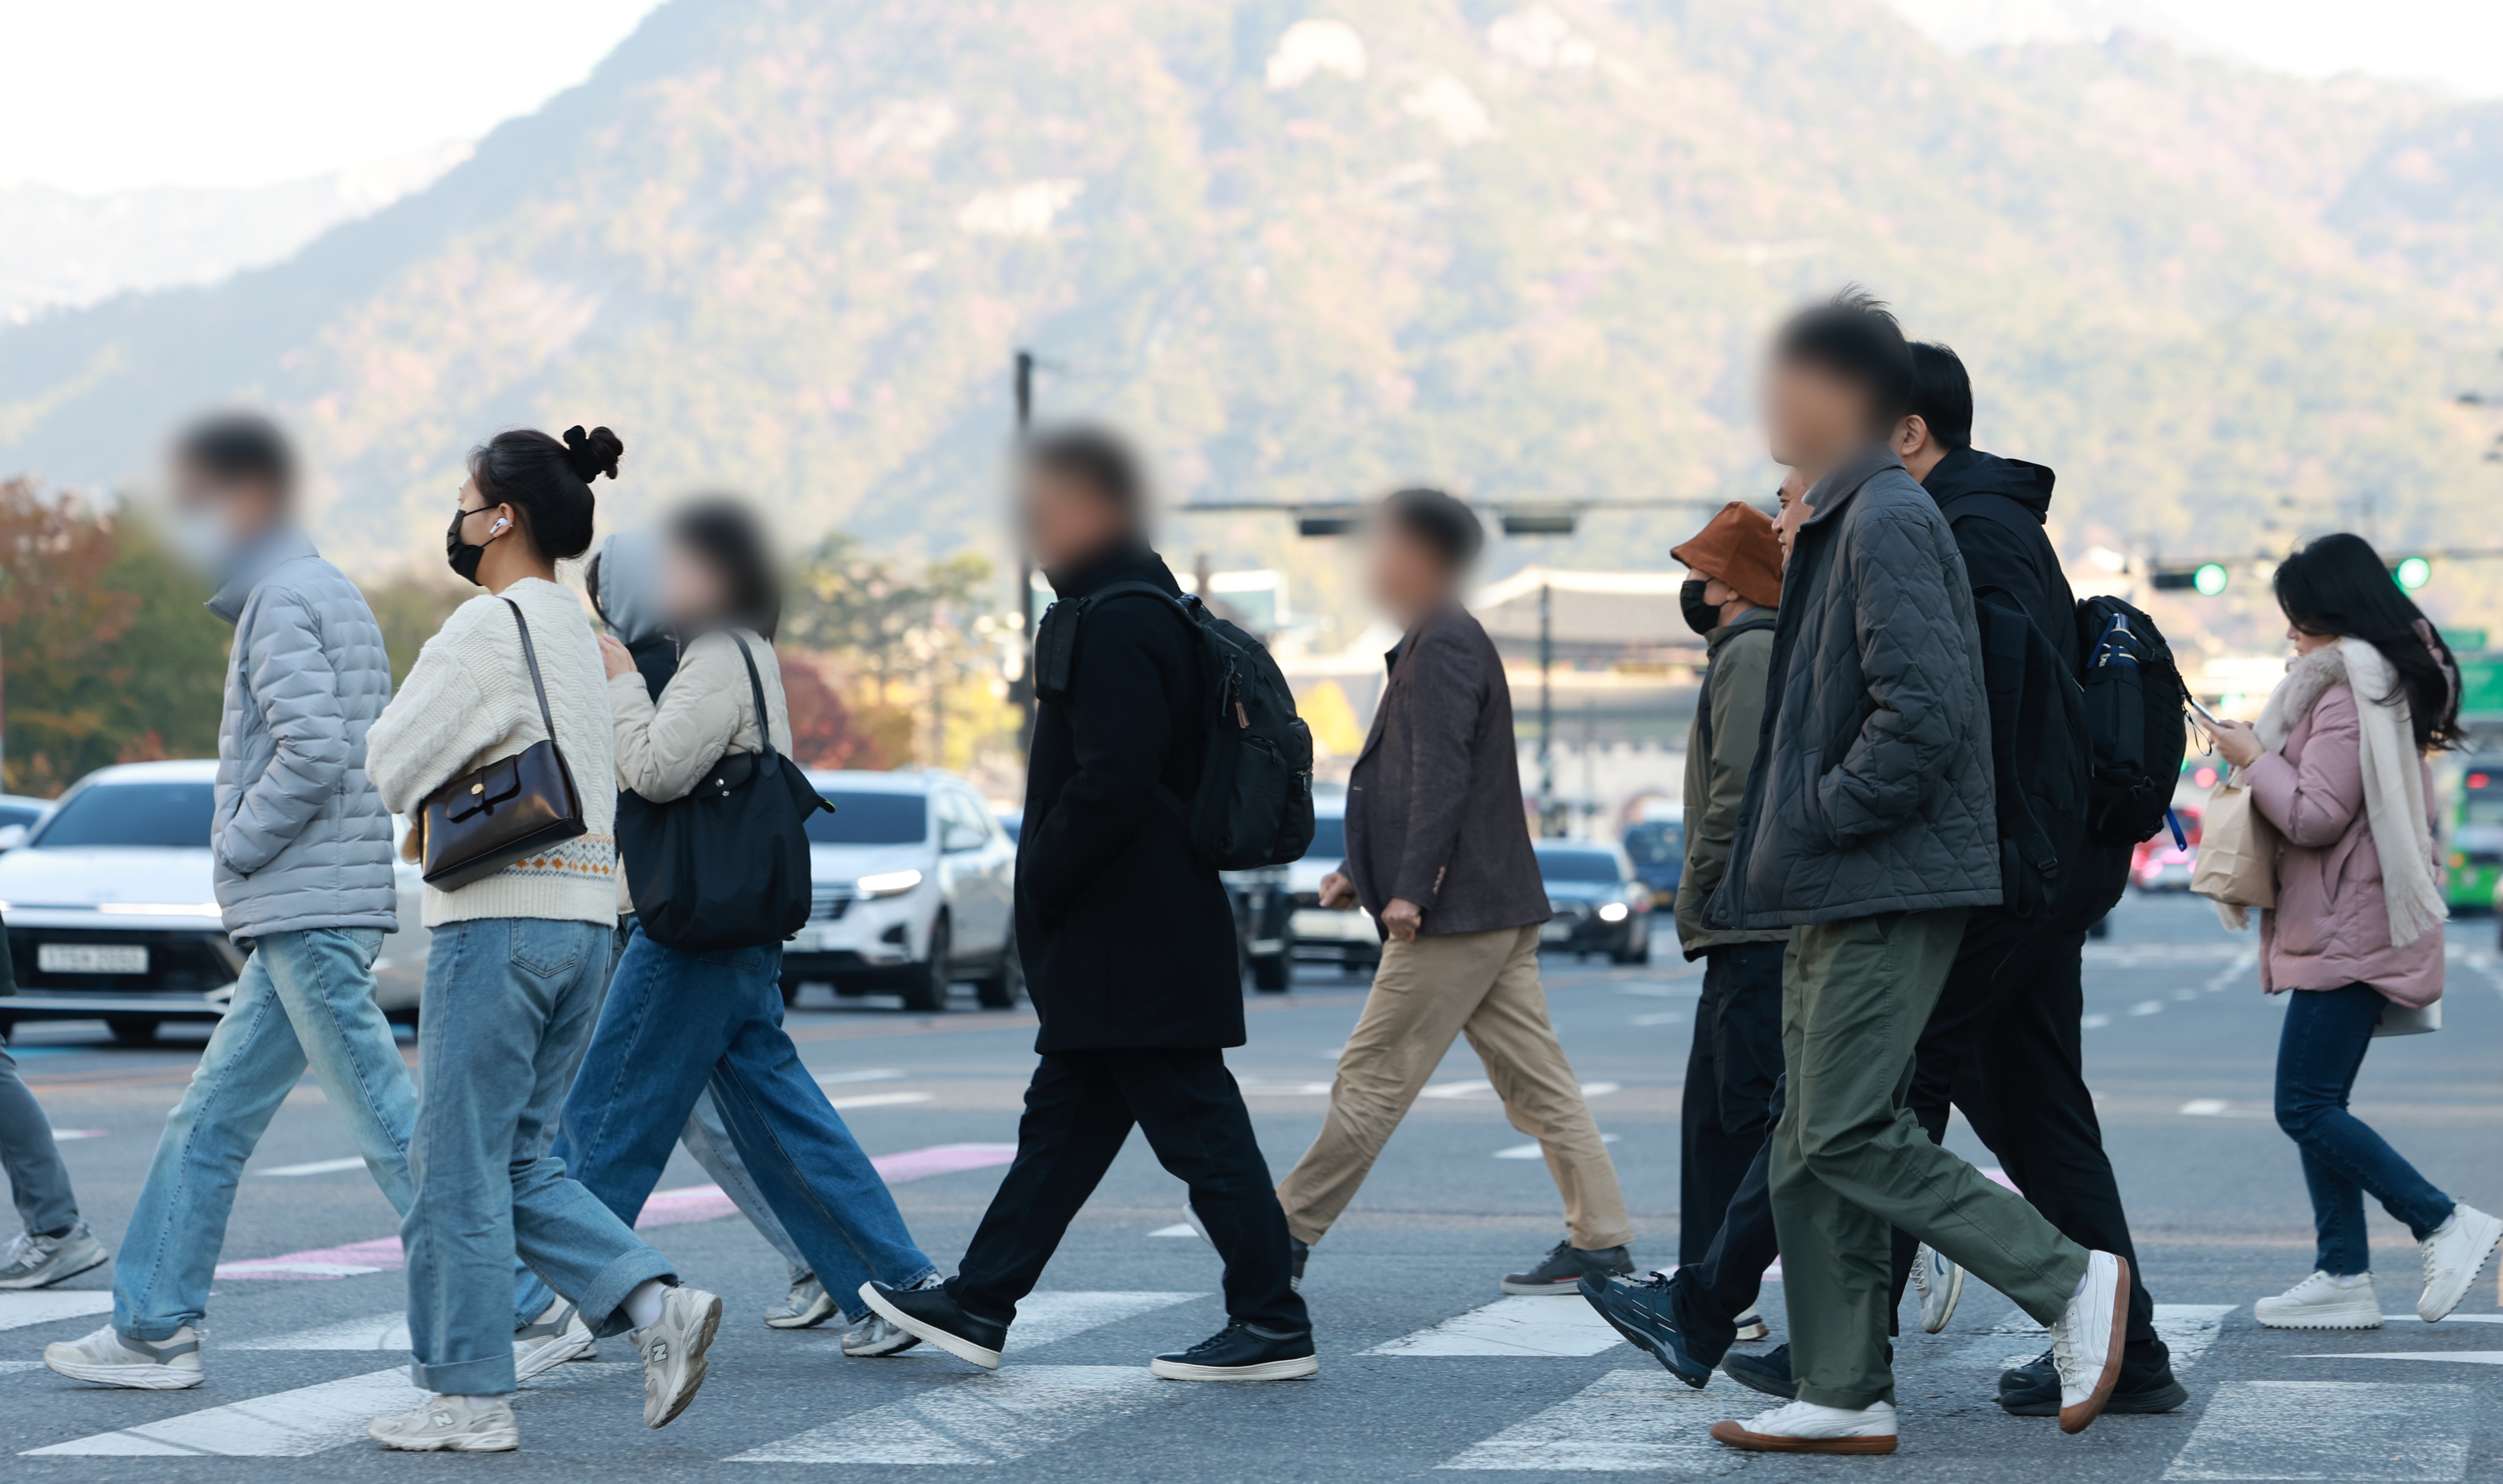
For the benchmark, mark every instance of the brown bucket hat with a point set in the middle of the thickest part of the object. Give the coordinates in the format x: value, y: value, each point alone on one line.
x: 1738, y: 547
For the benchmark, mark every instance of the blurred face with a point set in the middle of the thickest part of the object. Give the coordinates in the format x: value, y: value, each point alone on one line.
x: 213, y: 515
x: 1066, y: 520
x: 2306, y: 641
x: 1795, y: 511
x: 692, y: 594
x: 1812, y: 417
x: 1405, y: 575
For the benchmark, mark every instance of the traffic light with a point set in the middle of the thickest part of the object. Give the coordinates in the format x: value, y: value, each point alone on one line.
x: 2208, y: 579
x: 2412, y: 572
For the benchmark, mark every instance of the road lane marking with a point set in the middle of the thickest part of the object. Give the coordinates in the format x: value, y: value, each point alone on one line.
x: 21, y: 1307
x: 2329, y: 1430
x: 2147, y: 1007
x: 986, y: 1419
x: 877, y: 1101
x: 317, y: 1167
x: 2244, y: 961
x: 2094, y: 1022
x: 860, y: 1075
x: 1468, y: 1087
x: 1177, y: 1228
x: 1533, y: 1151
x: 2205, y: 1108
x: 1522, y: 1325
x: 2455, y: 1357
x: 1661, y: 1017
x: 1625, y: 1420
x: 287, y: 1424
x: 2187, y: 1330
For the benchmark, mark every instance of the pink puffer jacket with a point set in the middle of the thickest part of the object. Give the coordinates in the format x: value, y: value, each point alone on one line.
x: 2331, y: 927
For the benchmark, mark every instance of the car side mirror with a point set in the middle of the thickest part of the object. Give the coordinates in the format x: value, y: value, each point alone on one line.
x: 956, y: 837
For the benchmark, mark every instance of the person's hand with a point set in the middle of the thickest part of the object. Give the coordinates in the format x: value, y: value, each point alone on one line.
x: 1402, y: 919
x: 2237, y: 742
x: 616, y: 657
x: 1337, y: 891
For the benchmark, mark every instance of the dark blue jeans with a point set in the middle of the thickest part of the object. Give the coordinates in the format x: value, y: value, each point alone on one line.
x: 2318, y: 1057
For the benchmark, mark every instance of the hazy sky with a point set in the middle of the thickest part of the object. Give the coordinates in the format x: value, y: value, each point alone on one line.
x: 99, y: 95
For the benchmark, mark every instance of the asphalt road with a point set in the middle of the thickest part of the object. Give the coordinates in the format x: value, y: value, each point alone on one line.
x: 1425, y: 1366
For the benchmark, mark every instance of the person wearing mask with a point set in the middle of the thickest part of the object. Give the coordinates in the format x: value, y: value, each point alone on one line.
x: 1869, y: 827
x: 1439, y: 854
x: 682, y: 1028
x: 2337, y: 764
x: 301, y: 849
x: 516, y: 970
x: 1129, y: 949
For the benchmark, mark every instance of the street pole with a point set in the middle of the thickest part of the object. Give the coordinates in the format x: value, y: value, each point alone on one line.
x: 1025, y: 688
x: 1546, y: 708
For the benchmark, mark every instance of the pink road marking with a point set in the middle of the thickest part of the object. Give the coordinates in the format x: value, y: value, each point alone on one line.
x: 665, y: 1208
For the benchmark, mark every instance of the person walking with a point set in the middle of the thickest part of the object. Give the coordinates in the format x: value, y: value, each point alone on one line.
x: 516, y: 970
x: 1869, y: 827
x: 681, y: 1028
x: 1129, y: 949
x: 2337, y: 764
x: 53, y: 1244
x: 301, y: 849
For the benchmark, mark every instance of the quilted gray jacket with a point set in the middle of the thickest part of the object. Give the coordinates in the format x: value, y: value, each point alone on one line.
x: 301, y: 839
x: 1871, y: 788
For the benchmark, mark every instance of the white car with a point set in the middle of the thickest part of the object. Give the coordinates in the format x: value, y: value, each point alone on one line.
x: 915, y: 889
x: 112, y: 909
x: 1342, y: 935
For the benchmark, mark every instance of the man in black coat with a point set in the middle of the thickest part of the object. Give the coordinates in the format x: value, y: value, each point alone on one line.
x: 1128, y: 945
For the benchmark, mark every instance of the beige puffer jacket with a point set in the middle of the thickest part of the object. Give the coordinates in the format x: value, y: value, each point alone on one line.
x: 705, y: 710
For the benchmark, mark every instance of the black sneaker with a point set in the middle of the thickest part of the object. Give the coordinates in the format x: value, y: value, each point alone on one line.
x: 1241, y: 1352
x: 933, y: 1315
x: 1564, y: 1268
x: 2146, y: 1386
x: 1770, y: 1372
x: 1298, y: 1250
x: 1640, y: 1312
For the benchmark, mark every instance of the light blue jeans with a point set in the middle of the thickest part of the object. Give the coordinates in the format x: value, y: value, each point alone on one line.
x: 305, y: 999
x: 509, y: 1006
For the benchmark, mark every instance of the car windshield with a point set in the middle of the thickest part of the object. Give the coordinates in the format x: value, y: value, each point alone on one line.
x: 172, y: 815
x: 1657, y: 844
x: 1329, y: 840
x: 870, y: 818
x: 1578, y: 865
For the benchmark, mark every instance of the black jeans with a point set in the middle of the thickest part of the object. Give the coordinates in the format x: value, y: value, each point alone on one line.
x: 1078, y: 1110
x: 2318, y: 1053
x: 1729, y: 1074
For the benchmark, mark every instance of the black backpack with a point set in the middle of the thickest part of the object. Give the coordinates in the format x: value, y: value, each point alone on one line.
x: 1255, y: 807
x: 2038, y: 758
x: 2135, y: 721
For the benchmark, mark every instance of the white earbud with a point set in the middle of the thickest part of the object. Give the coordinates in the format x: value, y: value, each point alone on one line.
x: 499, y: 525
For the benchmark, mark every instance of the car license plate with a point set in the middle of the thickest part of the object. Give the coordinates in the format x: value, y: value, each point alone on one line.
x: 1555, y: 932
x: 91, y: 959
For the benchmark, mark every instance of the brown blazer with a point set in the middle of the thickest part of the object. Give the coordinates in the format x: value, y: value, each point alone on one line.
x: 1433, y: 808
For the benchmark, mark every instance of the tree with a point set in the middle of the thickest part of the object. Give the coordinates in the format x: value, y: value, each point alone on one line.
x: 926, y: 646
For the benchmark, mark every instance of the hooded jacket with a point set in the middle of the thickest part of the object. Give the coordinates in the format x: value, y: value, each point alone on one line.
x: 1995, y: 507
x: 626, y: 589
x: 1872, y: 789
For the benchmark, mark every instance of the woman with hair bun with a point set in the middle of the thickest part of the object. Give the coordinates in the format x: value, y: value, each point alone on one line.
x: 514, y: 979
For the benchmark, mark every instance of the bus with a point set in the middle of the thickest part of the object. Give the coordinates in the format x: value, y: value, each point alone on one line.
x: 2473, y: 835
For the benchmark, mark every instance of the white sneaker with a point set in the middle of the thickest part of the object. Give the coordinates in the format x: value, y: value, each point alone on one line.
x: 2085, y: 1342
x: 1751, y: 1326
x: 809, y: 1307
x: 107, y: 1359
x: 2323, y: 1302
x: 673, y: 1349
x: 449, y: 1423
x: 1804, y: 1426
x: 40, y: 1262
x: 1940, y: 1284
x: 878, y: 1336
x: 548, y: 1341
x: 2454, y: 1255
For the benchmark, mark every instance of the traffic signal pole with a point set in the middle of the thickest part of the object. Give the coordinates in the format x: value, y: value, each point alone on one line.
x: 1025, y: 688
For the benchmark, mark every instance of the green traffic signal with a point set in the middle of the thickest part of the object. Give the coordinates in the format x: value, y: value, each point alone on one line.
x: 2412, y: 572
x: 2209, y: 579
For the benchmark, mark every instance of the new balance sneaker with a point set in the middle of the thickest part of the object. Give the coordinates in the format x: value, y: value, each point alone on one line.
x: 673, y: 1348
x: 877, y: 1335
x: 809, y: 1307
x: 2324, y: 1301
x: 2086, y: 1341
x: 2454, y: 1255
x: 1563, y: 1271
x: 449, y: 1425
x: 1938, y: 1283
x: 1770, y: 1372
x: 107, y: 1359
x: 1640, y: 1310
x: 39, y: 1262
x: 933, y: 1314
x: 1751, y: 1326
x: 556, y: 1336
x: 1804, y: 1426
x: 2146, y: 1385
x: 1241, y: 1352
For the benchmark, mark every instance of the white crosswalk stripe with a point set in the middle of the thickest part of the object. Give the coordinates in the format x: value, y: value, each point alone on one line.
x: 287, y: 1424
x: 2331, y: 1429
x: 42, y: 1305
x: 1627, y: 1419
x: 986, y: 1419
x: 2187, y: 1330
x: 1531, y: 1325
x: 378, y: 1332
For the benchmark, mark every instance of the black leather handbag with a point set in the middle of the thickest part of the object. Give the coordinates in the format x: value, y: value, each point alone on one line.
x: 726, y: 866
x: 480, y: 823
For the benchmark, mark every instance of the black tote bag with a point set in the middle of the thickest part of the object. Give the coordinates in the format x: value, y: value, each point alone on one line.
x: 727, y: 866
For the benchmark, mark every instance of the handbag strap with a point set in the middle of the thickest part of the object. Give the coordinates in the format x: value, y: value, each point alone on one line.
x: 756, y: 687
x: 530, y: 658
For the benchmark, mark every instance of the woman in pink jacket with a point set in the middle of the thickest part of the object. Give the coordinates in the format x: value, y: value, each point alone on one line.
x: 2337, y: 764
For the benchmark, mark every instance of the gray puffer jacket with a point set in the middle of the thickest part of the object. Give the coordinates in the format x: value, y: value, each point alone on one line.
x: 300, y: 837
x: 1871, y: 788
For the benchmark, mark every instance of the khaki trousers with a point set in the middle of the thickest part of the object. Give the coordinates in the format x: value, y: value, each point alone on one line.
x: 1484, y: 986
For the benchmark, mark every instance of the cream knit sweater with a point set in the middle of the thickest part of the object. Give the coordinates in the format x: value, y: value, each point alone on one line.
x: 468, y: 703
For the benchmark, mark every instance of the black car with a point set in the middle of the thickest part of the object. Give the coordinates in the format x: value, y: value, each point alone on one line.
x: 1657, y: 850
x: 1601, y: 906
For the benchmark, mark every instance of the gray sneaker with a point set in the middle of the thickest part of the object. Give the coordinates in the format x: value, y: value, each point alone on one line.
x: 449, y: 1425
x: 39, y: 1262
x: 548, y: 1341
x: 673, y: 1349
x: 808, y: 1307
x: 878, y: 1336
x: 107, y: 1359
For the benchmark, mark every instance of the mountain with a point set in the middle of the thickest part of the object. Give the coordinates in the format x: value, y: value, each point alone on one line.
x: 1307, y: 248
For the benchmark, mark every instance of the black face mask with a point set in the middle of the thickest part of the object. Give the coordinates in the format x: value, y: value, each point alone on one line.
x: 460, y: 554
x: 1701, y: 616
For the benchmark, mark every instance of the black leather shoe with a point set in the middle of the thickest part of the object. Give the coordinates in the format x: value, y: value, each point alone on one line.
x: 1241, y: 1352
x: 933, y: 1315
x: 1640, y: 1312
x: 1770, y: 1372
x: 2146, y: 1386
x: 1564, y: 1268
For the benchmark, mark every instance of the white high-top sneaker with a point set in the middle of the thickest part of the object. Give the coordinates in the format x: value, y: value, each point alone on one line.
x: 1804, y: 1426
x: 2454, y: 1255
x: 2324, y: 1301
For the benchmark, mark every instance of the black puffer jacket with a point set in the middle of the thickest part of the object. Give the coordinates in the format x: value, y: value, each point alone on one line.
x: 1871, y: 788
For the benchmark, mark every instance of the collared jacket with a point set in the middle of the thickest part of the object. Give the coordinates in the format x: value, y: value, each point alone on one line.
x: 300, y: 837
x: 1720, y: 749
x: 1871, y: 788
x: 1433, y: 804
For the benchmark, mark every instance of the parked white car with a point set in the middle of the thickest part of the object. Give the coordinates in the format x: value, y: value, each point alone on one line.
x: 112, y: 909
x: 914, y: 885
x: 1342, y: 935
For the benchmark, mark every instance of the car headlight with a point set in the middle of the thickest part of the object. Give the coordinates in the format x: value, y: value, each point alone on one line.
x: 889, y: 883
x: 1614, y: 912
